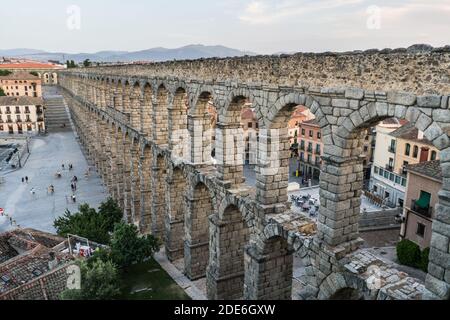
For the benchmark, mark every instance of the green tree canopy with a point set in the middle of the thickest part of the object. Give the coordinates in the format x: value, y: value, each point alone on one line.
x: 34, y: 73
x: 88, y: 223
x: 87, y: 63
x: 99, y: 281
x: 5, y: 72
x: 2, y: 93
x: 127, y: 247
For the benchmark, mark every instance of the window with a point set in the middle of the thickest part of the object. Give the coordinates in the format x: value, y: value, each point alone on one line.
x: 375, y: 188
x: 391, y: 177
x: 433, y: 155
x: 398, y: 180
x: 408, y: 149
x: 392, y: 146
x: 386, y: 174
x: 366, y: 148
x: 303, y: 132
x: 386, y: 194
x: 319, y: 135
x: 381, y: 172
x: 403, y: 182
x: 250, y: 125
x: 376, y: 170
x: 400, y: 203
x: 420, y: 229
x: 311, y: 133
x: 391, y: 163
x: 415, y: 152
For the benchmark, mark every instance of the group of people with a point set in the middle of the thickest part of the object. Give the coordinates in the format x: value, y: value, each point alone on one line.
x: 25, y: 179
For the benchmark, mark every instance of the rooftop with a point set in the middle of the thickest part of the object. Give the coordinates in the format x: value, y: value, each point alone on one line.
x: 20, y: 76
x: 312, y: 122
x: 409, y: 132
x: 29, y: 65
x: 20, y: 101
x: 430, y: 169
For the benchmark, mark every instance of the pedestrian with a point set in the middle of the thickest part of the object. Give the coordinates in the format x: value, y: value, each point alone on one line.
x: 74, y: 186
x: 74, y: 198
x: 62, y: 166
x: 23, y: 179
x: 26, y: 179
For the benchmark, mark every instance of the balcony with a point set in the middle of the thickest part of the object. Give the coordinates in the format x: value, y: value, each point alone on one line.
x: 389, y: 168
x: 391, y: 149
x: 40, y: 119
x: 9, y: 121
x: 426, y: 212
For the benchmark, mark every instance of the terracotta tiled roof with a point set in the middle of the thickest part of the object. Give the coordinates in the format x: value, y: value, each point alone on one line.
x: 430, y: 169
x: 29, y: 65
x: 409, y: 132
x: 312, y: 122
x: 20, y: 101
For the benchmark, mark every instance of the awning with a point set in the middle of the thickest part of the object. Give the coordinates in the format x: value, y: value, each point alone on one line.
x: 424, y: 201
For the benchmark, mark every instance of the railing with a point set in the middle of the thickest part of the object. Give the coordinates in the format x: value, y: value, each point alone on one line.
x: 427, y: 212
x: 389, y: 168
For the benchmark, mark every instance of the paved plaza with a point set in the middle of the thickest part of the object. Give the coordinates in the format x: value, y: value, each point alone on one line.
x: 38, y: 211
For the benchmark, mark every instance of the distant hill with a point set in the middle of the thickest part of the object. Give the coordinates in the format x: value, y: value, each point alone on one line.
x: 155, y: 54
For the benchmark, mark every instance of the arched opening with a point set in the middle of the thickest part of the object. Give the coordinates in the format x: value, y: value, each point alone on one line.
x: 347, y: 294
x: 174, y: 221
x: 228, y: 238
x: 146, y: 190
x: 160, y: 116
x: 158, y: 196
x: 135, y: 106
x: 178, y: 133
x: 118, y: 97
x: 196, y: 247
x: 135, y: 182
x: 147, y: 110
x: 126, y: 98
x: 202, y: 119
x: 127, y: 182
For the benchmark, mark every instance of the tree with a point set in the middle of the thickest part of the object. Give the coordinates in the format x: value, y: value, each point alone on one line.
x: 5, y: 73
x: 89, y: 223
x: 2, y: 93
x: 99, y: 281
x: 34, y: 73
x: 87, y: 63
x: 127, y: 247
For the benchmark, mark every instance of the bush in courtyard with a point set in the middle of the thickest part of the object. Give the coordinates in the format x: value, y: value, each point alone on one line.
x: 99, y: 281
x: 2, y: 93
x: 88, y: 223
x: 408, y: 253
x: 424, y: 259
x: 128, y: 248
x: 4, y: 72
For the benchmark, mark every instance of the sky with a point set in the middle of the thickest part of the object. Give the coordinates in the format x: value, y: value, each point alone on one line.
x: 260, y: 26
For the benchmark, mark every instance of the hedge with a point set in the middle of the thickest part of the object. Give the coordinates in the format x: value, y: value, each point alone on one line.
x: 409, y: 254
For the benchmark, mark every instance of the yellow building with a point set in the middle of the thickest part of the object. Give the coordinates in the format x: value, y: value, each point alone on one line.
x: 22, y: 83
x: 412, y: 148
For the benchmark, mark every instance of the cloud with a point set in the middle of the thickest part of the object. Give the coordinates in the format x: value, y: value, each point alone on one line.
x: 269, y: 12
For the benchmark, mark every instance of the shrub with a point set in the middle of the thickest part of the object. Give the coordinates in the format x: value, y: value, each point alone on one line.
x: 127, y: 247
x: 88, y: 223
x: 5, y: 72
x: 408, y: 253
x: 424, y: 259
x: 99, y: 281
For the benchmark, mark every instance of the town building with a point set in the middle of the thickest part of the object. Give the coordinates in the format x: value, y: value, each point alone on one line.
x: 300, y: 114
x: 424, y: 183
x: 21, y: 84
x: 47, y: 72
x: 21, y: 115
x: 310, y: 149
x: 398, y: 144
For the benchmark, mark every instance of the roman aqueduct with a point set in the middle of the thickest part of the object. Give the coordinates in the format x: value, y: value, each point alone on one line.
x: 241, y: 238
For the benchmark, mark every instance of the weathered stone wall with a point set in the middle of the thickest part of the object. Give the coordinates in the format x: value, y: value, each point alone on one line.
x: 399, y: 69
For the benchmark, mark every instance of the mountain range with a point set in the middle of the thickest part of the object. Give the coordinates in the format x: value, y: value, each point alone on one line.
x: 155, y: 54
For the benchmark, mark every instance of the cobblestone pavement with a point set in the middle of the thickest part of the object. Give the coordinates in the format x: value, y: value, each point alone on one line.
x: 39, y: 211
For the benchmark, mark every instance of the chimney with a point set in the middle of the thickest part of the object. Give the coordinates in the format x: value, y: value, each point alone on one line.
x: 53, y: 262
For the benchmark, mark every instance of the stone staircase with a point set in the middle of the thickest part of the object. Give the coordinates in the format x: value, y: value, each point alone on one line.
x: 56, y: 115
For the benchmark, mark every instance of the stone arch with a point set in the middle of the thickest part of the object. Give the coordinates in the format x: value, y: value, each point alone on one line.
x: 175, y: 209
x: 147, y: 109
x: 159, y: 176
x: 160, y: 115
x: 145, y: 173
x: 178, y: 133
x: 229, y: 234
x: 135, y: 106
x: 118, y: 95
x: 199, y: 205
x: 268, y: 269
